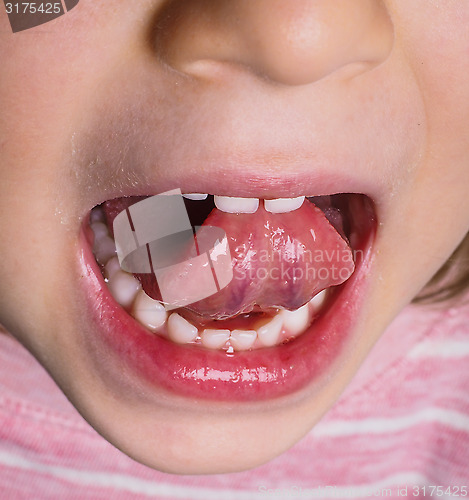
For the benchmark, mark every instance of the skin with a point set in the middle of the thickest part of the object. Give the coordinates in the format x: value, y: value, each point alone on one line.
x: 368, y: 96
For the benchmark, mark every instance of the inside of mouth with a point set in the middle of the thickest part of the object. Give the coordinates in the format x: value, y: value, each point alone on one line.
x: 260, y: 326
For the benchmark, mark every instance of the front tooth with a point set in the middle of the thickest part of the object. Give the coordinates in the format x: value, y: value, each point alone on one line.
x: 148, y: 311
x: 269, y: 334
x: 123, y: 287
x: 242, y: 340
x: 318, y: 300
x: 236, y: 205
x: 295, y: 322
x: 195, y: 196
x: 180, y: 330
x: 215, y: 339
x: 282, y: 205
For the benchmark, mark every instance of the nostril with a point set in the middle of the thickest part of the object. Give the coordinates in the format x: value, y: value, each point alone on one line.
x: 294, y: 43
x: 186, y: 31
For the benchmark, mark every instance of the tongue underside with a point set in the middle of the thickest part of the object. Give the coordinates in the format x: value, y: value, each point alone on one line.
x: 278, y: 260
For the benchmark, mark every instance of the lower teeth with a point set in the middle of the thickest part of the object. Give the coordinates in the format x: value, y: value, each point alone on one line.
x: 127, y: 291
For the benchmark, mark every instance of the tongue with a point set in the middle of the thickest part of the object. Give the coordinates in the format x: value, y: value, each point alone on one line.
x: 278, y: 260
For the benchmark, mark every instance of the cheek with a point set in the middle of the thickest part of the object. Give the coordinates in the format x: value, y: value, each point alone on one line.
x: 49, y: 72
x: 436, y: 46
x: 434, y: 39
x: 428, y: 210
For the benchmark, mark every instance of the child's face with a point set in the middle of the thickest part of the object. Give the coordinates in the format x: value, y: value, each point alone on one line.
x: 248, y: 98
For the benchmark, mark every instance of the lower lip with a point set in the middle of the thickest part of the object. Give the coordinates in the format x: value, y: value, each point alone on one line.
x: 193, y: 371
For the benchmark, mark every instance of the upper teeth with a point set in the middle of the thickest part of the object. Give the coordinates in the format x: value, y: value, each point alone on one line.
x: 195, y: 196
x: 282, y: 205
x: 234, y: 205
x: 237, y: 205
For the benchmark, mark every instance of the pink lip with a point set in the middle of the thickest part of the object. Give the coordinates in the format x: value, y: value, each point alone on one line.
x: 245, y: 184
x: 196, y: 372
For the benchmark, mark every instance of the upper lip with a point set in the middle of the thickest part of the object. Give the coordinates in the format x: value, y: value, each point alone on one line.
x: 237, y: 135
x: 247, y: 184
x: 219, y: 148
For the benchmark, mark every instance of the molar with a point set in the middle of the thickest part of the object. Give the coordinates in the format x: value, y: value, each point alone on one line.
x: 100, y: 230
x: 123, y: 287
x: 111, y: 267
x: 104, y: 249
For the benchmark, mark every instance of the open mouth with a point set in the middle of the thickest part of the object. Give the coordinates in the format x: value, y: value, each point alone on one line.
x: 299, y: 266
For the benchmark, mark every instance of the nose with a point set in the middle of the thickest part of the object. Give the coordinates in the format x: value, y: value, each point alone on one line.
x: 292, y: 42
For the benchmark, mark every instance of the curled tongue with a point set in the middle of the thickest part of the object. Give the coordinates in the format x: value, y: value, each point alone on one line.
x: 278, y: 260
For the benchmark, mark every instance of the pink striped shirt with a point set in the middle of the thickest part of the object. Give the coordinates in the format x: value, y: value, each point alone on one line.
x: 400, y: 430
